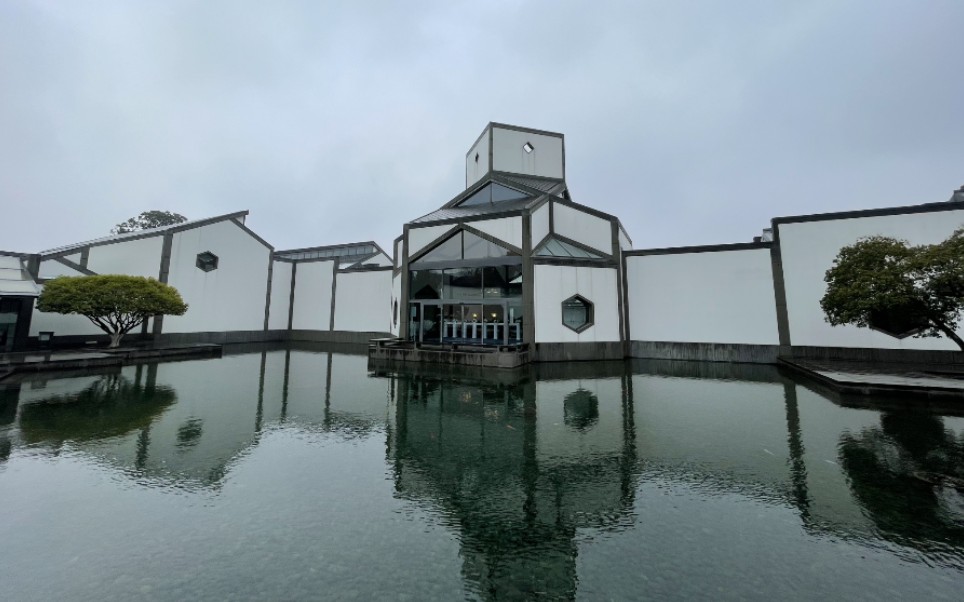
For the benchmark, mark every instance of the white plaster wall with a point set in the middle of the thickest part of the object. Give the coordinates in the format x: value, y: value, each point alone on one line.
x: 139, y: 257
x: 540, y: 224
x: 554, y: 284
x: 232, y: 297
x: 312, y: 308
x: 582, y: 227
x: 280, y: 295
x: 475, y: 170
x: 508, y: 229
x: 396, y: 298
x: 381, y: 259
x: 52, y: 269
x: 545, y: 160
x: 363, y: 301
x: 61, y: 324
x: 418, y: 238
x: 808, y: 250
x: 713, y: 297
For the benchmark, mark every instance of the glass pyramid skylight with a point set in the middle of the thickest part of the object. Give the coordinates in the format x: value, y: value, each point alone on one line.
x: 493, y: 193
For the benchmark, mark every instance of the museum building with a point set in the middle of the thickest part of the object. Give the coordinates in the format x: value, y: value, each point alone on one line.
x: 512, y: 262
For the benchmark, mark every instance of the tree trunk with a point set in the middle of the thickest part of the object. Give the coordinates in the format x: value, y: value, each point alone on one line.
x: 115, y: 339
x: 950, y: 334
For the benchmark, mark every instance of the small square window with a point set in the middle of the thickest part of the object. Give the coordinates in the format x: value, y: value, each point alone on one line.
x: 207, y: 261
x: 527, y: 147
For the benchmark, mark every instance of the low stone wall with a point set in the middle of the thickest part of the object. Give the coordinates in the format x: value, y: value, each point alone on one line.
x: 705, y: 352
x: 333, y: 336
x: 453, y: 357
x: 862, y: 354
x: 577, y: 352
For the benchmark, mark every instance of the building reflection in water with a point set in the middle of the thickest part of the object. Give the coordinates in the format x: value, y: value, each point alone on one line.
x: 525, y: 465
x: 517, y: 465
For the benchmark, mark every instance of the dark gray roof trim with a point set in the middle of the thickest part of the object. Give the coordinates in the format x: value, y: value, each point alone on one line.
x: 327, y: 252
x: 517, y: 128
x: 109, y: 240
x: 362, y: 268
x: 241, y: 225
x: 905, y: 210
x: 740, y: 246
x: 575, y: 262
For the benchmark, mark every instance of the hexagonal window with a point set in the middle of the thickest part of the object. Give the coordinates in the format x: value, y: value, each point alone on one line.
x: 207, y: 261
x: 577, y: 313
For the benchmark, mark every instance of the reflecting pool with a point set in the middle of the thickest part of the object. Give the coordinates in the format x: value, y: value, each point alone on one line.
x: 290, y: 474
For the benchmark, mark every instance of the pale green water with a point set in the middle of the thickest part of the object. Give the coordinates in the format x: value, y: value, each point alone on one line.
x: 289, y: 475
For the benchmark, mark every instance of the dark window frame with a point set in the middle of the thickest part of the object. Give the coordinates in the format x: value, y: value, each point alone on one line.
x: 590, y: 313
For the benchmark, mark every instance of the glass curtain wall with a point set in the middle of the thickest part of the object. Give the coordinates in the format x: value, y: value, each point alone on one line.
x: 466, y: 303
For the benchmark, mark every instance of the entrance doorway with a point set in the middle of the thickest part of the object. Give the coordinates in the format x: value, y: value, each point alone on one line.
x: 490, y: 323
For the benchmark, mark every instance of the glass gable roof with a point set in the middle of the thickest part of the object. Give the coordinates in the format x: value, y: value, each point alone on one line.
x: 493, y: 193
x: 557, y: 248
x: 464, y: 245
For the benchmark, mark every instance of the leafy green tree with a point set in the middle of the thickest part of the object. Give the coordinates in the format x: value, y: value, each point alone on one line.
x: 881, y: 280
x: 148, y: 220
x: 114, y: 303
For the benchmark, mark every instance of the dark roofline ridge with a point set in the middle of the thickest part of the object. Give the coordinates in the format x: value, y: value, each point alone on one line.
x: 327, y: 247
x: 886, y: 211
x: 118, y: 238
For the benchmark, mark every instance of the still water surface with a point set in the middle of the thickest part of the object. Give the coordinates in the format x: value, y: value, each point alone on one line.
x: 303, y: 474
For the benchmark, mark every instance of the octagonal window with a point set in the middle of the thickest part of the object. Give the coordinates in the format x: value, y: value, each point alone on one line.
x: 207, y: 261
x: 577, y: 313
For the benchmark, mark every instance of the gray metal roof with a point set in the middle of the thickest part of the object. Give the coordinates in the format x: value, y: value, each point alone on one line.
x: 357, y: 250
x: 14, y: 278
x: 557, y: 248
x: 144, y: 233
x: 446, y: 213
x: 546, y: 185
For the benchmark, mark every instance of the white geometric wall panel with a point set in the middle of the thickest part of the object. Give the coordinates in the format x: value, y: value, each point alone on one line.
x: 555, y: 284
x: 712, y: 297
x: 808, y: 250
x: 475, y: 169
x: 508, y: 229
x: 312, y: 308
x: 230, y: 297
x: 138, y: 257
x: 508, y: 153
x: 418, y: 238
x: 280, y: 295
x: 540, y: 224
x: 363, y: 301
x: 582, y: 227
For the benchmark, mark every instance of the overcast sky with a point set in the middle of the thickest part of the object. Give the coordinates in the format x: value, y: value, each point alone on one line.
x: 693, y: 122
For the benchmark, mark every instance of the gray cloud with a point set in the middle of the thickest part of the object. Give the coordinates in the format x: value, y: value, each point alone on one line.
x: 694, y: 122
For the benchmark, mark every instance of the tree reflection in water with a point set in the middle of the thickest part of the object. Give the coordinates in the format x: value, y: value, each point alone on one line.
x: 888, y: 469
x: 111, y: 406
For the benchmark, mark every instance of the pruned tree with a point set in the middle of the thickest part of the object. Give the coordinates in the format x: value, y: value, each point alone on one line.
x: 148, y: 220
x: 882, y: 281
x: 114, y: 303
